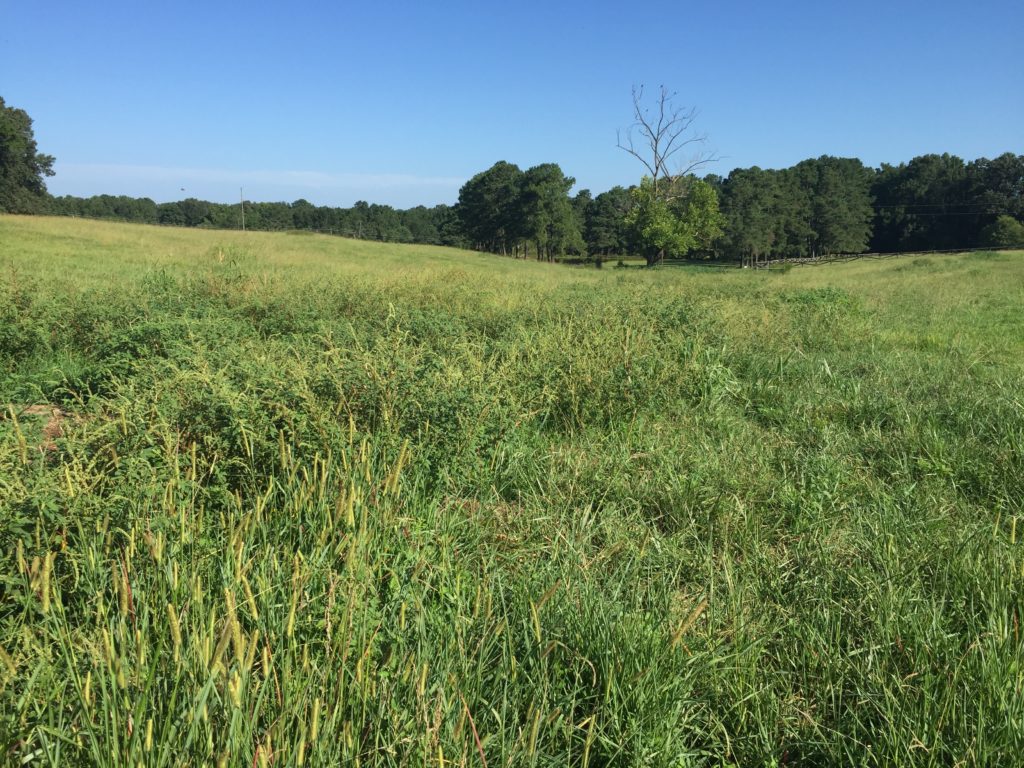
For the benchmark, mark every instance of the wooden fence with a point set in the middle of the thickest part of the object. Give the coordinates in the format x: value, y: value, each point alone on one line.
x: 836, y: 257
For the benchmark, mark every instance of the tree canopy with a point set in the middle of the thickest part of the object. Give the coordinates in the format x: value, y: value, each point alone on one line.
x: 545, y: 213
x: 22, y: 167
x: 674, y: 219
x: 1004, y: 232
x: 819, y: 206
x: 487, y: 207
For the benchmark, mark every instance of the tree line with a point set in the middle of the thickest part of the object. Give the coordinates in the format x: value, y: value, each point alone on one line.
x: 435, y: 226
x: 819, y: 206
x: 838, y: 205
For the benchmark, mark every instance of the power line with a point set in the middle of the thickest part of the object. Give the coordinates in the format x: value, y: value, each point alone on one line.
x: 931, y: 205
x: 952, y: 213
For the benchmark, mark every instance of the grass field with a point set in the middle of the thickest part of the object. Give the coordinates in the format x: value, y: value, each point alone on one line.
x: 291, y: 499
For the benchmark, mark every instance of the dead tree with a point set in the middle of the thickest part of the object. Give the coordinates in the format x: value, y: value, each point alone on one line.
x: 663, y: 132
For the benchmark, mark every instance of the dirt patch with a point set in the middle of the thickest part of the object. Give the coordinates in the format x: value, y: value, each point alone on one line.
x: 53, y: 421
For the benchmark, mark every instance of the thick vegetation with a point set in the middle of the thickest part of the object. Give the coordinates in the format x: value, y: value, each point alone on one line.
x: 823, y: 205
x: 276, y: 499
x: 820, y: 206
x: 22, y: 167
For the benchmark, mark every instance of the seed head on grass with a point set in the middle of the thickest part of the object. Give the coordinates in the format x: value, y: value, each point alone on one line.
x: 172, y: 618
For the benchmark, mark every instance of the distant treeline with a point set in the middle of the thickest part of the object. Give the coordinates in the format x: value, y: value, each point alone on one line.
x: 436, y: 226
x: 819, y: 206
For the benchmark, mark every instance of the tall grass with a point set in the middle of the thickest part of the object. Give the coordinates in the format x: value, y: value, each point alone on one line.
x: 316, y: 502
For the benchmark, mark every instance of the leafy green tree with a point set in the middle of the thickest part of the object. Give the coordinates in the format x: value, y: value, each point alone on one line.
x: 123, y: 208
x: 22, y: 167
x: 698, y: 208
x: 1004, y: 232
x: 821, y: 205
x: 449, y: 228
x: 750, y: 209
x: 581, y: 204
x: 545, y: 213
x: 421, y: 224
x: 304, y: 215
x: 925, y: 204
x: 605, y: 229
x: 387, y: 226
x: 223, y: 216
x: 998, y: 184
x: 195, y: 212
x: 996, y: 190
x: 170, y: 214
x: 358, y: 220
x: 487, y: 207
x: 675, y: 219
x: 793, y: 211
x: 841, y: 203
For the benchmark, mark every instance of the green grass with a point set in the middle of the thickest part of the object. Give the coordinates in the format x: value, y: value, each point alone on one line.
x: 325, y: 502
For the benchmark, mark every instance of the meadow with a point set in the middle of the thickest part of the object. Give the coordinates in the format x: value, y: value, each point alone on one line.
x: 288, y: 499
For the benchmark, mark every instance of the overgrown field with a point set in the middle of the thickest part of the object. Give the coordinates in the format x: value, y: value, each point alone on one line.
x: 284, y: 500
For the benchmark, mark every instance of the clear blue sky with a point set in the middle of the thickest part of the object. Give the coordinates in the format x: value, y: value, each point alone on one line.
x: 401, y: 102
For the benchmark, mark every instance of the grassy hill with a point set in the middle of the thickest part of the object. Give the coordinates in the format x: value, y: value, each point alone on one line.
x: 290, y: 499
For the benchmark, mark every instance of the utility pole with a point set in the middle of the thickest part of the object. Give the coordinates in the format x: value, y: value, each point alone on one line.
x: 241, y: 194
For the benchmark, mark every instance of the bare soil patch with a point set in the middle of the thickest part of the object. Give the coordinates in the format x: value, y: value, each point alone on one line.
x: 52, y: 417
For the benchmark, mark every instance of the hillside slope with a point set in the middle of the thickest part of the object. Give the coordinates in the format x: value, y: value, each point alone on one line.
x: 301, y: 499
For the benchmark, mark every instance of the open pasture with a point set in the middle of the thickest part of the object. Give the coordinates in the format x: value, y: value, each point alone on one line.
x: 274, y: 499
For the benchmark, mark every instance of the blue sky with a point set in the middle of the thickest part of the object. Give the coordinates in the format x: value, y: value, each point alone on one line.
x: 401, y: 102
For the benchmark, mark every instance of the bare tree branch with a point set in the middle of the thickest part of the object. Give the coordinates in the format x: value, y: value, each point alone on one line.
x: 662, y: 136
